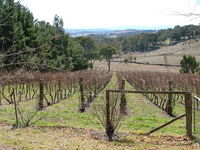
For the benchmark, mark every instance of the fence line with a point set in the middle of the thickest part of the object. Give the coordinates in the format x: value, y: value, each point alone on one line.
x: 188, y: 105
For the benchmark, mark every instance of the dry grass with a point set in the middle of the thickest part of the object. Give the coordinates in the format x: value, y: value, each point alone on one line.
x: 66, y: 138
x: 120, y: 66
x: 174, y: 53
x: 170, y: 55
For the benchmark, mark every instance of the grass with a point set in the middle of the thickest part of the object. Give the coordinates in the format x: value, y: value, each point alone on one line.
x: 82, y: 139
x: 145, y: 116
x: 83, y: 130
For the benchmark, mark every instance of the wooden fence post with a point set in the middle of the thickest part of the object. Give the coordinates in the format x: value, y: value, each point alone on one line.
x: 169, y: 101
x: 108, y: 123
x: 123, y: 103
x: 41, y: 97
x: 82, y: 101
x: 108, y: 64
x: 188, y: 110
x: 16, y: 111
x: 0, y: 97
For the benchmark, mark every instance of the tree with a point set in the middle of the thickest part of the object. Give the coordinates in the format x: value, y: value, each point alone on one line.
x: 106, y: 52
x: 17, y: 28
x: 76, y: 53
x: 58, y: 23
x: 89, y: 49
x: 189, y: 64
x: 38, y: 45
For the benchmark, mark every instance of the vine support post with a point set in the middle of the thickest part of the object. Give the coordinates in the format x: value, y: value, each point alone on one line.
x: 82, y: 101
x: 123, y: 103
x: 188, y: 110
x: 108, y: 64
x: 60, y: 91
x: 108, y: 120
x: 169, y: 107
x: 0, y: 97
x: 41, y: 96
x: 16, y: 112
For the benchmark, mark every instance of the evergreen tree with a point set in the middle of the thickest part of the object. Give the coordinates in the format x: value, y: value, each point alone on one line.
x: 189, y: 64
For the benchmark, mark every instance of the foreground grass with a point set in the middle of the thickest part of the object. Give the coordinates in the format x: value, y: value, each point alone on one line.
x: 83, y: 130
x: 82, y: 139
x: 144, y: 116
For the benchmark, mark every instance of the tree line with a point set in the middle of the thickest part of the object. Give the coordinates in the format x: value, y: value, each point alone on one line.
x: 38, y: 45
x: 150, y: 41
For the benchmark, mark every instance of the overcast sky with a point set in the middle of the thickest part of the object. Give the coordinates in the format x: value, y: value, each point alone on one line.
x: 114, y: 13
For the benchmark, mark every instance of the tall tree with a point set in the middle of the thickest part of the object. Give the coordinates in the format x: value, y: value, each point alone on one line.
x: 89, y: 48
x: 16, y: 32
x: 106, y: 52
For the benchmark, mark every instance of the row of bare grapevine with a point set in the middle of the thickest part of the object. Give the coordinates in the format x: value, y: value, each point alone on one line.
x: 159, y: 81
x: 25, y: 86
x: 93, y: 83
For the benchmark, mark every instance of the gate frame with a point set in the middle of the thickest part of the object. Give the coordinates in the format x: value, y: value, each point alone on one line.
x: 188, y: 105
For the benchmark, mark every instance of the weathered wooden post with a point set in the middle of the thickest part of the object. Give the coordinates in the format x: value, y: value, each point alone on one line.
x: 108, y: 64
x: 82, y: 101
x: 20, y: 96
x: 108, y: 123
x: 16, y: 113
x: 29, y: 90
x: 60, y: 91
x: 169, y: 101
x: 41, y: 96
x: 16, y: 109
x: 95, y: 87
x: 0, y: 97
x: 188, y: 111
x: 123, y: 103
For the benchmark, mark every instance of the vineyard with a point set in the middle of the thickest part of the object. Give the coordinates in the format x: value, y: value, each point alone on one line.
x: 77, y: 100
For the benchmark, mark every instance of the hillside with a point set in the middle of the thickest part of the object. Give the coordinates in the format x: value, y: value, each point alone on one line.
x: 171, y: 55
x: 106, y: 32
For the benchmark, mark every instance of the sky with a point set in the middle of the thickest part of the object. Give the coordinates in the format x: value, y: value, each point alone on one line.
x: 84, y: 14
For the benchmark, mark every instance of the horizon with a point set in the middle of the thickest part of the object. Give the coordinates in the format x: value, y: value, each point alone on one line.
x: 127, y: 28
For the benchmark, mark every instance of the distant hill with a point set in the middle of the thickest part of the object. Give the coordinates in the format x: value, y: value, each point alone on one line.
x: 106, y: 32
x: 170, y: 55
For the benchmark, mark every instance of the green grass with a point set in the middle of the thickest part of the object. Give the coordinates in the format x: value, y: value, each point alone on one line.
x: 142, y: 117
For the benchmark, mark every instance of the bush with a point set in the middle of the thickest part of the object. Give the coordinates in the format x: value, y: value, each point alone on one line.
x: 99, y: 110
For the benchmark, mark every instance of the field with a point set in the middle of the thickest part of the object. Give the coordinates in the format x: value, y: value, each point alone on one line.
x: 121, y: 66
x: 170, y: 55
x: 65, y: 127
